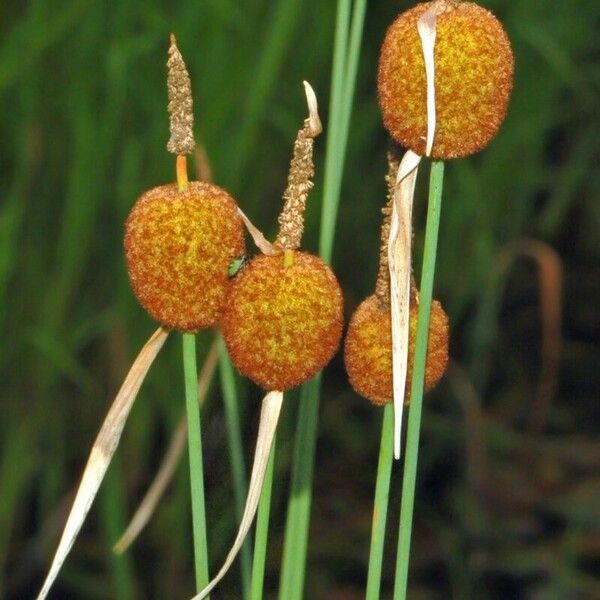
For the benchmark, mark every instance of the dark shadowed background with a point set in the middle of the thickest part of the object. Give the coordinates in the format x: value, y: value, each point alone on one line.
x: 509, y: 474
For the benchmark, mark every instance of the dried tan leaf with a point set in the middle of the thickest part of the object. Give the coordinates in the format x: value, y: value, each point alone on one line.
x: 262, y: 243
x: 156, y: 490
x: 426, y: 26
x: 399, y: 259
x: 400, y: 244
x: 102, y: 451
x: 165, y: 473
x: 269, y: 416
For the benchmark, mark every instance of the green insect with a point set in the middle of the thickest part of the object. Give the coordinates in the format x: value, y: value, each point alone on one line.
x: 236, y: 266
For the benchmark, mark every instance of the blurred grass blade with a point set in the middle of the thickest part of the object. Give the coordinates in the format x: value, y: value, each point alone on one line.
x: 157, y: 488
x: 13, y: 61
x: 155, y: 492
x: 15, y: 449
x: 416, y: 390
x: 112, y: 507
x: 269, y: 417
x: 102, y: 451
x: 277, y: 42
x: 382, y: 494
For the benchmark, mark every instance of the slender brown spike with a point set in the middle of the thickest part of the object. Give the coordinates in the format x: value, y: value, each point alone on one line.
x: 181, y: 115
x: 382, y: 286
x: 302, y: 170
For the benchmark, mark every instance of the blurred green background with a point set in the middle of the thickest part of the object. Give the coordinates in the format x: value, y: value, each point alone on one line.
x: 509, y: 475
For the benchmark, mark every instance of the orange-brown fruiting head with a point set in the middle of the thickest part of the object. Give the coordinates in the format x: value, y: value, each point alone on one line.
x: 282, y: 324
x: 368, y: 350
x: 473, y: 79
x: 178, y: 247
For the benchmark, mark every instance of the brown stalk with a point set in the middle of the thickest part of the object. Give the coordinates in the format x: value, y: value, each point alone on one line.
x: 550, y: 285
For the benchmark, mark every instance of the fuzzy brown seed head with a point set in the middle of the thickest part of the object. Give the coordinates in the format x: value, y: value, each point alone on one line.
x: 178, y: 247
x: 282, y: 324
x: 368, y: 350
x: 473, y: 79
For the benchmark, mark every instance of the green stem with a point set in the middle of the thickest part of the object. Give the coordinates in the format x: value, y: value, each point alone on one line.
x: 343, y: 83
x: 298, y: 516
x: 190, y: 372
x: 343, y: 108
x: 238, y: 467
x: 334, y: 151
x: 262, y: 530
x: 416, y: 391
x: 345, y: 64
x: 382, y: 494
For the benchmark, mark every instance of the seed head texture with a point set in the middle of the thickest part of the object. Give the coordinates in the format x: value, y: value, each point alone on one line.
x: 282, y: 324
x: 473, y: 79
x: 368, y: 350
x: 178, y: 247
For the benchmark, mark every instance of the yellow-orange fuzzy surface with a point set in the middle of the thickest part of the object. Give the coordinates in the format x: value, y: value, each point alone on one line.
x: 178, y: 247
x: 368, y: 350
x: 282, y: 324
x: 473, y: 80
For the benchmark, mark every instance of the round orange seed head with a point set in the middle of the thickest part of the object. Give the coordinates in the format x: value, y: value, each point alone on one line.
x: 473, y: 79
x: 282, y: 324
x: 178, y: 247
x: 368, y: 350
